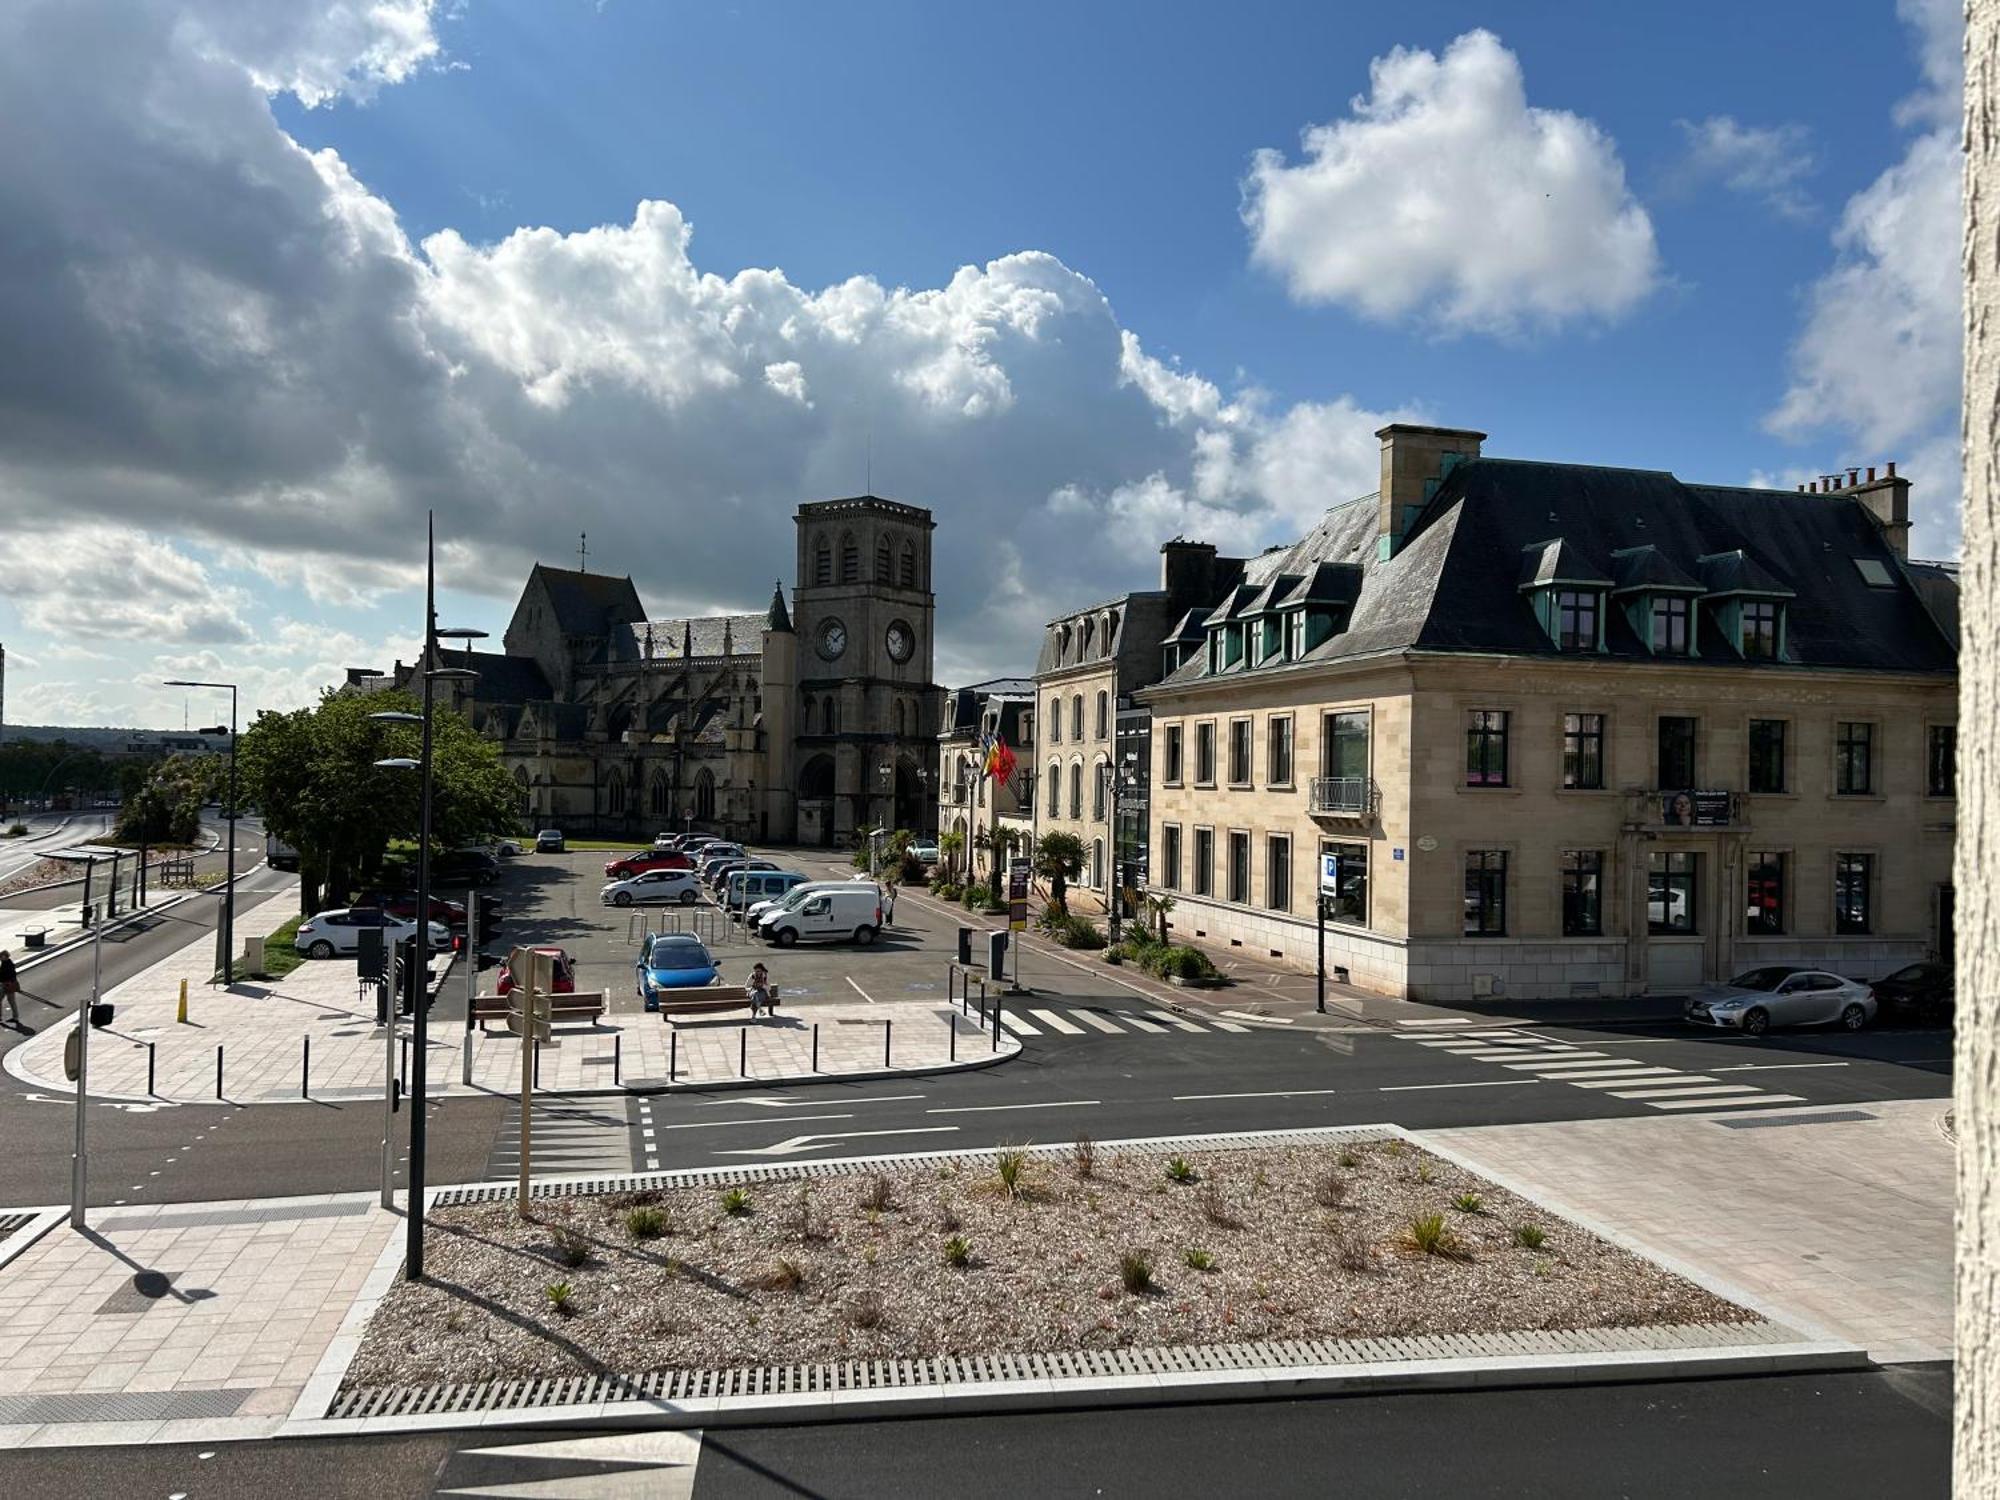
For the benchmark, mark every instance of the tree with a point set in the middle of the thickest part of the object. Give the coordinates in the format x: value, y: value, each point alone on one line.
x: 950, y: 846
x: 165, y: 806
x: 313, y: 773
x: 1059, y: 860
x: 1000, y: 844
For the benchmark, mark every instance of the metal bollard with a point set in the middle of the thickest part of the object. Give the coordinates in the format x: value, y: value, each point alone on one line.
x: 406, y: 1057
x: 743, y: 1052
x: 673, y: 1055
x: 218, y: 1070
x: 305, y: 1067
x: 815, y: 1066
x: 152, y: 1049
x: 536, y: 1081
x: 996, y: 1020
x: 951, y: 1029
x: 885, y: 1043
x: 617, y: 1051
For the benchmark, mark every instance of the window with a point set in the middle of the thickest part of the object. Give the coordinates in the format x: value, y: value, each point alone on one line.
x: 1076, y: 716
x: 1100, y: 778
x: 1486, y: 893
x: 1941, y: 761
x: 1486, y: 747
x: 1055, y: 720
x: 1239, y: 867
x: 1239, y: 752
x: 1055, y: 789
x: 1670, y: 893
x: 1204, y: 861
x: 614, y: 795
x: 882, y: 560
x: 1279, y: 771
x: 1677, y: 735
x: 1278, y: 873
x: 1103, y: 715
x: 1076, y: 789
x: 823, y: 563
x: 1853, y: 758
x: 1344, y: 745
x: 1348, y: 901
x: 850, y: 560
x: 1760, y: 630
x: 909, y: 565
x: 1170, y: 856
x: 1583, y: 751
x: 1767, y: 755
x: 1764, y: 877
x: 1576, y: 619
x: 659, y: 795
x: 1170, y: 756
x: 1670, y: 627
x: 1204, y: 755
x: 1583, y: 892
x: 1853, y: 880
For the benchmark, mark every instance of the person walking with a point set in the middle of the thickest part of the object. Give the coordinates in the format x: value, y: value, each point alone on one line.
x: 10, y: 990
x: 761, y: 998
x: 889, y: 904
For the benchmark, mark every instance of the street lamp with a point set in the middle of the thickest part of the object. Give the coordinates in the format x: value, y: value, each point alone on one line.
x: 225, y: 932
x: 78, y: 1173
x: 1115, y: 777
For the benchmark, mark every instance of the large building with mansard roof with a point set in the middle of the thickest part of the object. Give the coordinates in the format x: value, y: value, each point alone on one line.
x: 804, y: 722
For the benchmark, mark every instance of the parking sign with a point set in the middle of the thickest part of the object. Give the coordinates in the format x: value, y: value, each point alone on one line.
x: 1329, y: 872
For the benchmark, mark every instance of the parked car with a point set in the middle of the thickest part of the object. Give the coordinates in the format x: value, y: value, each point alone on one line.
x: 840, y: 913
x: 497, y: 847
x: 549, y: 841
x: 1922, y: 994
x: 403, y: 906
x: 337, y: 931
x: 673, y: 961
x: 1783, y: 995
x: 729, y: 867
x: 565, y: 968
x: 926, y: 850
x: 627, y: 865
x: 653, y: 888
x: 744, y: 888
x: 461, y: 867
x: 716, y: 855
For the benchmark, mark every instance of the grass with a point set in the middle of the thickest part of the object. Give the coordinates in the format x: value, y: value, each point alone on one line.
x: 1352, y: 1252
x: 1215, y: 1208
x: 561, y: 1297
x: 621, y: 846
x: 1348, y: 1159
x: 1083, y: 1156
x: 1469, y: 1203
x: 878, y: 1195
x: 1180, y: 1170
x: 866, y: 1310
x: 958, y: 1251
x: 1427, y: 1235
x: 1329, y: 1190
x: 646, y: 1223
x: 1198, y: 1259
x: 1011, y: 1166
x: 280, y: 957
x: 572, y: 1246
x: 1530, y: 1236
x: 736, y: 1201
x: 783, y: 1276
x: 1135, y: 1271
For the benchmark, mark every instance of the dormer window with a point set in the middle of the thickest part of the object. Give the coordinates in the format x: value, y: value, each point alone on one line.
x: 1670, y: 618
x: 1577, y: 617
x: 1760, y: 629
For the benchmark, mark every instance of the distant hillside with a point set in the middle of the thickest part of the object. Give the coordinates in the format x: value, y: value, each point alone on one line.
x: 114, y: 741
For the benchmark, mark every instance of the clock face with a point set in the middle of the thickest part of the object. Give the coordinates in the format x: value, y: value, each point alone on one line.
x: 832, y: 639
x: 901, y: 641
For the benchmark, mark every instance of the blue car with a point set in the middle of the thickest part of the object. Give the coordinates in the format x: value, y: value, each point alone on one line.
x: 673, y: 961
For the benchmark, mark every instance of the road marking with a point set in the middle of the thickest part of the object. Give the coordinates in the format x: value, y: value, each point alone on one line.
x: 1774, y: 1067
x: 1578, y: 1060
x: 1244, y: 1015
x: 1526, y: 1049
x: 1018, y: 1026
x: 1630, y: 1075
x: 1139, y: 1023
x: 1050, y: 1018
x: 1752, y: 1099
x: 1092, y: 1018
x: 769, y: 1101
x: 1271, y: 1094
x: 1485, y: 1083
x: 798, y: 1143
x: 858, y: 990
x: 1444, y: 1021
x: 1167, y: 1017
x: 1227, y: 1026
x: 720, y: 1124
x: 987, y: 1109
x: 1680, y: 1090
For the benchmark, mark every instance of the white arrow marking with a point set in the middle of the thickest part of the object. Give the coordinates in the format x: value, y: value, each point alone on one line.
x: 771, y: 1101
x: 800, y: 1143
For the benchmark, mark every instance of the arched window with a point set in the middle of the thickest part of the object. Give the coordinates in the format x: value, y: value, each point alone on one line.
x: 1085, y: 634
x: 659, y: 795
x: 1055, y: 720
x: 806, y: 718
x: 1076, y: 789
x: 1052, y: 789
x: 1062, y: 642
x: 614, y: 793
x: 521, y: 786
x: 882, y: 561
x: 1103, y: 715
x: 704, y: 794
x: 1110, y: 630
x: 1097, y: 780
x: 909, y: 565
x: 850, y: 559
x: 828, y: 716
x: 1076, y: 716
x: 1097, y: 863
x: 822, y: 562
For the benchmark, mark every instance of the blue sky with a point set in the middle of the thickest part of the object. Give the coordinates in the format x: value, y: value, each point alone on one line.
x: 1709, y: 238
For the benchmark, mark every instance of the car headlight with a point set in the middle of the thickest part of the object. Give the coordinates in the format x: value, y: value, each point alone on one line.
x: 1728, y: 1005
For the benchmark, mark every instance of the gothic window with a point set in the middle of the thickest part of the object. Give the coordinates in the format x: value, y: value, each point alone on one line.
x: 659, y: 795
x: 882, y: 561
x: 614, y: 794
x: 823, y: 562
x: 704, y: 794
x: 806, y: 719
x: 521, y: 785
x: 909, y: 565
x: 830, y: 718
x: 850, y: 559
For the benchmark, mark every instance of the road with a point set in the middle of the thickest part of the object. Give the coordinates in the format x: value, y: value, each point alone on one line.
x: 48, y: 832
x: 1863, y: 1434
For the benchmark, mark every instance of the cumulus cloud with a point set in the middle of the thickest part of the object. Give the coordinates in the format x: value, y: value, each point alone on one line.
x: 1444, y: 194
x: 1767, y: 162
x: 98, y: 582
x: 1875, y: 365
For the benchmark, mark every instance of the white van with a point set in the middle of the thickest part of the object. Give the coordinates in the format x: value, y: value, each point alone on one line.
x: 761, y: 908
x: 850, y: 911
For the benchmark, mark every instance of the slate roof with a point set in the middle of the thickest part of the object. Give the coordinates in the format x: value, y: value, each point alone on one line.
x: 963, y: 707
x: 1455, y: 583
x: 589, y: 603
x: 707, y: 633
x: 502, y: 678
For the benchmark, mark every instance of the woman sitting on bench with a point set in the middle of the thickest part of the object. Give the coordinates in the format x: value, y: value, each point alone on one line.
x: 763, y: 994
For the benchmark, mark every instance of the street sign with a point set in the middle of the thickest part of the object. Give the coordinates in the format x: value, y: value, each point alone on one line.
x: 73, y: 1055
x: 1329, y: 872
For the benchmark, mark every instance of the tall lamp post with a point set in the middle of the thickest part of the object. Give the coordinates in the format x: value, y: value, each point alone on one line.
x: 225, y: 931
x: 1116, y: 777
x: 419, y: 1030
x: 79, y: 1174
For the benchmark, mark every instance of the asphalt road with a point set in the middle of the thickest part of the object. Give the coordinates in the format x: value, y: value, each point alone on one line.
x: 1864, y: 1434
x: 48, y: 832
x: 83, y: 827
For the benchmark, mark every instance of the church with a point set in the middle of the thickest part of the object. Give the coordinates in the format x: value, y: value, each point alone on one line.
x: 803, y: 724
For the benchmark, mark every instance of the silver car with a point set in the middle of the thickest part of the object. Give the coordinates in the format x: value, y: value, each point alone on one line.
x: 1783, y: 995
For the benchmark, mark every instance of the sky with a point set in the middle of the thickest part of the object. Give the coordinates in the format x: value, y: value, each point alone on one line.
x: 277, y: 277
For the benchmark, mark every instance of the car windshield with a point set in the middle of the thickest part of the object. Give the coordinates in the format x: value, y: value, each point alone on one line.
x: 677, y: 953
x: 1914, y: 974
x: 1767, y: 978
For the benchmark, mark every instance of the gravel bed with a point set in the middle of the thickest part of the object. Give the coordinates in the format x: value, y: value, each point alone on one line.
x: 1306, y: 1242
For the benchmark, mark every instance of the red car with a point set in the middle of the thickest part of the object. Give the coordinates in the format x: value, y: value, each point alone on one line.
x: 565, y: 972
x: 627, y: 866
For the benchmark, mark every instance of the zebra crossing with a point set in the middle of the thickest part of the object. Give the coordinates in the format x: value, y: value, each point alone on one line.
x: 570, y: 1137
x: 1038, y: 1020
x: 1650, y: 1084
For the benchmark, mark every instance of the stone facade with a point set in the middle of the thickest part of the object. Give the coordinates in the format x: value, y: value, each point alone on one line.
x: 970, y: 801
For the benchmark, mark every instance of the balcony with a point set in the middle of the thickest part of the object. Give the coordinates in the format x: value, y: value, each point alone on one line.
x: 1342, y: 797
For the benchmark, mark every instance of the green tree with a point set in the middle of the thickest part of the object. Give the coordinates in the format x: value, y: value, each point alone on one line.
x: 1059, y: 860
x: 950, y: 846
x: 165, y: 807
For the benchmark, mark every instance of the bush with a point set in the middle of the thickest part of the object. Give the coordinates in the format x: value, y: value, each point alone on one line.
x: 1215, y: 1208
x: 1011, y: 1165
x: 1083, y: 1156
x: 782, y: 1276
x: 1427, y: 1235
x: 1348, y: 1159
x: 1182, y: 962
x: 1329, y: 1190
x: 1198, y: 1259
x: 572, y: 1247
x: 946, y: 890
x: 736, y: 1201
x: 560, y: 1296
x: 1352, y: 1252
x: 17, y: 830
x: 958, y: 1251
x: 1530, y: 1236
x: 1180, y: 1170
x: 1469, y: 1203
x: 1077, y: 932
x: 866, y: 1309
x: 878, y: 1195
x: 1135, y: 1270
x: 645, y: 1223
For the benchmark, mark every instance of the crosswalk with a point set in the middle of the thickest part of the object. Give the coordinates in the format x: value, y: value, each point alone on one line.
x: 570, y: 1136
x: 1656, y: 1087
x: 1037, y: 1020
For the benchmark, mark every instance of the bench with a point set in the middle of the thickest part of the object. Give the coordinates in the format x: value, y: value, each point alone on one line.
x: 585, y: 1005
x: 711, y: 998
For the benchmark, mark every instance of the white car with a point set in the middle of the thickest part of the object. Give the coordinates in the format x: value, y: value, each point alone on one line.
x: 926, y: 851
x: 337, y: 933
x: 654, y: 888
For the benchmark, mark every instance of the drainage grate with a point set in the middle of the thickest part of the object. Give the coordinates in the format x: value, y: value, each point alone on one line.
x: 136, y: 1295
x: 206, y: 1218
x: 10, y: 1223
x: 1832, y: 1117
x: 121, y: 1406
x: 355, y: 1403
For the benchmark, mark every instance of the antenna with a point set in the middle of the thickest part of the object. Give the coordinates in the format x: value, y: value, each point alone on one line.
x: 868, y: 484
x: 583, y: 552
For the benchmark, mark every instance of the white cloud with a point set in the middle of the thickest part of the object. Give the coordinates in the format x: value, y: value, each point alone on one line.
x: 1875, y: 365
x: 1769, y: 162
x: 316, y: 51
x: 103, y: 582
x: 1446, y: 195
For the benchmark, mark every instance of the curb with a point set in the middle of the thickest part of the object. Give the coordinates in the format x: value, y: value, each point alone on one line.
x: 127, y: 918
x: 56, y: 885
x: 43, y: 1220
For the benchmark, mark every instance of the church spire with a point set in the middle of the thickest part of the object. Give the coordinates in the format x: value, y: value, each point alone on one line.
x: 779, y: 619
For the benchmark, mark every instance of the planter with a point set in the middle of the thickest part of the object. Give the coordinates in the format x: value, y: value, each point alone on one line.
x: 1197, y: 984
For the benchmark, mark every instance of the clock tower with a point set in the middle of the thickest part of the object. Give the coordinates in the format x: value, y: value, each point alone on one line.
x: 866, y: 720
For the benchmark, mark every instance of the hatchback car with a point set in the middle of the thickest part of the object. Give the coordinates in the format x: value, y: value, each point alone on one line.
x: 654, y: 888
x: 337, y: 932
x: 549, y: 841
x: 1922, y: 994
x: 1783, y: 995
x: 673, y: 961
x: 625, y: 866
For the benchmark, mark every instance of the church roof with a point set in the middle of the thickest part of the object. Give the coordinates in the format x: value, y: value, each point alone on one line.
x: 708, y: 635
x: 778, y: 617
x: 588, y: 603
x: 502, y: 678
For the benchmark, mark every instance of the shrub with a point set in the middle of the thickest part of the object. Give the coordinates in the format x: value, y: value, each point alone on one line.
x: 782, y: 1276
x: 1530, y: 1236
x: 1179, y: 1170
x: 865, y: 1309
x: 806, y: 1227
x: 1469, y: 1203
x: 17, y: 830
x: 645, y: 1223
x: 1329, y: 1190
x: 948, y: 1219
x: 560, y: 1297
x: 1215, y: 1208
x: 1353, y: 1252
x: 1011, y: 1166
x: 1198, y: 1259
x: 944, y: 890
x: 572, y: 1247
x: 736, y: 1201
x: 1181, y: 962
x: 1348, y: 1159
x: 1135, y: 1270
x: 958, y: 1251
x: 1427, y: 1235
x: 878, y: 1195
x: 1424, y: 1173
x: 1083, y: 1156
x: 1077, y: 932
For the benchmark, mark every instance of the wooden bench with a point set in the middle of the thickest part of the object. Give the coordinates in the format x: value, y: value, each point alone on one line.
x: 585, y: 1005
x: 710, y: 998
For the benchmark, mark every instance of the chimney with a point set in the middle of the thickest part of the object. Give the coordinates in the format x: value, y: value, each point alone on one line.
x: 1888, y: 501
x: 1415, y: 461
x: 1186, y: 568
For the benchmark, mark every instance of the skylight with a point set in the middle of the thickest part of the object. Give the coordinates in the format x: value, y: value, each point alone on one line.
x: 1874, y: 573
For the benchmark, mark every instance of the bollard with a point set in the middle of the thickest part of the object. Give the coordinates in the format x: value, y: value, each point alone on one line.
x: 996, y: 1020
x: 673, y: 1054
x: 743, y: 1052
x: 151, y: 1049
x: 182, y: 1014
x: 815, y: 1066
x: 885, y: 1043
x: 617, y: 1050
x: 218, y: 1070
x: 951, y: 1028
x: 305, y: 1067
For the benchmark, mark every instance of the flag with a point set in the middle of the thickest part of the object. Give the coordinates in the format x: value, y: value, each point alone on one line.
x: 1000, y: 759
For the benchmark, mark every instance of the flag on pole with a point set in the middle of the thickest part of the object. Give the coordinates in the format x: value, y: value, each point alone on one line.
x: 999, y: 759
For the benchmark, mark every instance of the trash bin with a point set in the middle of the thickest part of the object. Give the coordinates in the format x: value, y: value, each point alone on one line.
x: 101, y: 1014
x: 965, y: 945
x: 996, y: 955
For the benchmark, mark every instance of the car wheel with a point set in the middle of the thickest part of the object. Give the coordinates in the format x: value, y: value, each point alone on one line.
x: 1854, y: 1018
x: 863, y: 936
x: 1756, y: 1022
x: 687, y: 897
x: 623, y: 898
x: 321, y: 949
x: 786, y: 937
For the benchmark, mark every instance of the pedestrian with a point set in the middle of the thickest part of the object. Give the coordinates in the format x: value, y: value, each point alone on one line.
x: 889, y: 905
x: 10, y: 989
x: 760, y: 991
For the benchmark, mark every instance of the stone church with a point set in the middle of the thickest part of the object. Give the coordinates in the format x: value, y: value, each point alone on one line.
x: 804, y: 724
